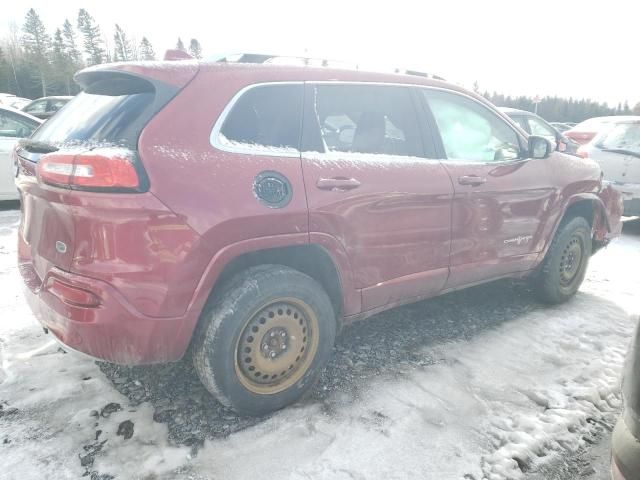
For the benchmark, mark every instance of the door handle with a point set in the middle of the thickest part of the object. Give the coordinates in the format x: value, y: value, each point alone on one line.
x: 472, y: 180
x: 337, y: 183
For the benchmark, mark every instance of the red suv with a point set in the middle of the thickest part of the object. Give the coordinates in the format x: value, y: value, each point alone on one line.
x: 245, y: 212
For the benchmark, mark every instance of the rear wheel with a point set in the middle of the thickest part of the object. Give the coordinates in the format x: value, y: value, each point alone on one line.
x: 264, y: 343
x: 565, y: 264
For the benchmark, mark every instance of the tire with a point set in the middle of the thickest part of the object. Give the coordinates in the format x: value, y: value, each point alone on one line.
x: 262, y: 345
x: 561, y: 275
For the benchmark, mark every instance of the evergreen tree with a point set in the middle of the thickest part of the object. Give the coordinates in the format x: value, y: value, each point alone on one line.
x: 70, y: 44
x: 64, y: 64
x: 180, y: 45
x: 195, y: 49
x: 555, y: 108
x: 5, y: 73
x: 625, y: 109
x: 146, y: 50
x: 36, y: 43
x: 122, y: 51
x: 59, y: 58
x: 93, y: 44
x: 636, y: 109
x: 9, y: 70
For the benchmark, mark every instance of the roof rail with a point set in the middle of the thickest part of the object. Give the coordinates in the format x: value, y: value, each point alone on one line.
x: 306, y: 62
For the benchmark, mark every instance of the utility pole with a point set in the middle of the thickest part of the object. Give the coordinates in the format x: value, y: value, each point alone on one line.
x: 536, y: 101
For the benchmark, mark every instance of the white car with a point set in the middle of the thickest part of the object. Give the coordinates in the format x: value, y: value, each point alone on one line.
x: 617, y: 150
x: 14, y: 125
x: 19, y: 102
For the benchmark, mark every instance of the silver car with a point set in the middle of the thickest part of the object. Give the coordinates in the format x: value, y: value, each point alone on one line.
x: 617, y: 150
x: 14, y: 125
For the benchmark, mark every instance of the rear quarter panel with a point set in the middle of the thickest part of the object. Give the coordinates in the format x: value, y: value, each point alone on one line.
x: 212, y: 190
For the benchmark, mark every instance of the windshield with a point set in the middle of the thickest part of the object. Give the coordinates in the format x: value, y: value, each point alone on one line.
x: 96, y: 119
x: 623, y: 136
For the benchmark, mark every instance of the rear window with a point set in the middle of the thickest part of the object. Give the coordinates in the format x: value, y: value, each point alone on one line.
x: 623, y: 136
x: 98, y: 119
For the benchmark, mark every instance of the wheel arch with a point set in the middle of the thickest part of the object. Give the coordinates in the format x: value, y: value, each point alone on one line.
x: 311, y: 259
x: 591, y: 207
x: 322, y: 260
x: 586, y: 205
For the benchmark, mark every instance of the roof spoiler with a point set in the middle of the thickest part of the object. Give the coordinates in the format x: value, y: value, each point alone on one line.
x: 175, y: 54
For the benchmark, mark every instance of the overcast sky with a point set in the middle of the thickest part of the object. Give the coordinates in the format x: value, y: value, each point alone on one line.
x: 543, y: 47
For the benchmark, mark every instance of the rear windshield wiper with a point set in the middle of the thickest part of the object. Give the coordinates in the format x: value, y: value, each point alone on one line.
x: 35, y: 146
x: 622, y: 151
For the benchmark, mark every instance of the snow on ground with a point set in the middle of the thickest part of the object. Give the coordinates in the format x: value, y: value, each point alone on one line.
x: 490, y: 405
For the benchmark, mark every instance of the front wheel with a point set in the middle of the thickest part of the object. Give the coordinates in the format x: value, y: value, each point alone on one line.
x: 565, y: 264
x: 265, y: 342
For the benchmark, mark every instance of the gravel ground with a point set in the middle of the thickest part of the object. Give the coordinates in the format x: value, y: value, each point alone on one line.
x: 391, y: 342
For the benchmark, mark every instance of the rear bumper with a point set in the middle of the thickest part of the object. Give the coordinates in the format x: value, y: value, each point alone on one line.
x: 626, y: 453
x: 631, y: 196
x: 632, y: 207
x: 112, y: 331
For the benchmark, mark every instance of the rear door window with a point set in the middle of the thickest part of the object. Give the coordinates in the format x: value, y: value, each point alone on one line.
x: 369, y: 119
x: 265, y: 118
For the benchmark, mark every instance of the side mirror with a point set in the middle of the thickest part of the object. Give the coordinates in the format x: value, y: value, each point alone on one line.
x: 539, y: 147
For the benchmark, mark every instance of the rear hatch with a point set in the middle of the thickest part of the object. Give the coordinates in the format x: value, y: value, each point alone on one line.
x: 584, y: 132
x: 618, y: 152
x: 88, y: 148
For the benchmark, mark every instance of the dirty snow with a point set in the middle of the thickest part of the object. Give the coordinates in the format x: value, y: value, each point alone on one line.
x: 492, y: 404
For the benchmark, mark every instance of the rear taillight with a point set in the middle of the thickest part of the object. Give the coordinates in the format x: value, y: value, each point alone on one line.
x: 583, y: 152
x: 88, y: 171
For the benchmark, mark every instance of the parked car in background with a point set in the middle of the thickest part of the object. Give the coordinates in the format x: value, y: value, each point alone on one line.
x: 293, y: 200
x: 18, y: 102
x: 45, y: 107
x: 6, y: 98
x: 626, y: 435
x: 617, y: 151
x: 535, y: 125
x: 14, y: 125
x: 11, y: 100
x: 584, y: 132
x: 561, y: 127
